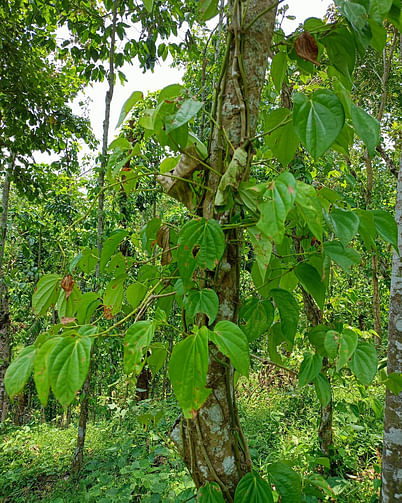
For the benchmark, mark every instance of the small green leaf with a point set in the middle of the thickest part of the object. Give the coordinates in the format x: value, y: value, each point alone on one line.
x: 120, y: 144
x: 186, y: 112
x: 88, y: 304
x: 19, y: 371
x: 347, y: 347
x: 210, y: 493
x: 232, y: 342
x: 286, y: 481
x: 345, y: 224
x: 135, y: 294
x: 188, y: 369
x: 110, y: 245
x: 68, y: 366
x: 278, y: 69
x: 157, y: 357
x: 202, y: 301
x: 253, y: 489
x: 88, y: 260
x: 46, y: 293
x: 289, y: 312
x: 168, y: 164
x: 41, y: 369
x: 323, y: 389
x: 386, y: 227
x: 309, y: 368
x: 113, y: 296
x: 318, y: 120
x: 201, y: 243
x: 136, y: 342
x: 367, y: 128
x: 311, y: 281
x: 136, y: 95
x: 258, y: 315
x: 364, y: 362
x: 344, y: 257
x: 148, y: 5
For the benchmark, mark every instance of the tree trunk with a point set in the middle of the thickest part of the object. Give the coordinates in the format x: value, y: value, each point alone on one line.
x: 392, y: 450
x: 212, y: 443
x: 82, y: 422
x: 4, y: 307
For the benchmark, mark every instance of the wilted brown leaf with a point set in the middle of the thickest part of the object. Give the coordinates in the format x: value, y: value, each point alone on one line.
x: 67, y: 284
x: 107, y: 312
x: 306, y: 47
x: 66, y: 320
x: 163, y: 240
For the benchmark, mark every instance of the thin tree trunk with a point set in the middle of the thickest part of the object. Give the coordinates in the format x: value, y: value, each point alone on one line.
x: 212, y: 443
x: 4, y: 307
x: 83, y: 419
x: 392, y: 451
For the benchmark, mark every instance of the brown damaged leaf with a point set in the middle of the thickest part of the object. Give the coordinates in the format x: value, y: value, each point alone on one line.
x: 306, y: 47
x: 65, y: 320
x: 174, y: 182
x: 107, y: 312
x: 67, y: 284
x: 163, y: 240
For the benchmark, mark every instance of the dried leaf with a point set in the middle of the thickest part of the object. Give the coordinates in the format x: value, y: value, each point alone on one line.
x: 163, y: 240
x: 66, y: 320
x: 67, y: 284
x: 306, y: 47
x: 174, y: 182
x: 107, y: 312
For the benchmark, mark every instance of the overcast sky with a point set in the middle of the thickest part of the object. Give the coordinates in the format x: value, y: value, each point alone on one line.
x: 163, y: 75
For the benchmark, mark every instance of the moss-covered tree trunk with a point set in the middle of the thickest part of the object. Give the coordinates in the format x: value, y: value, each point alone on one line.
x: 212, y: 443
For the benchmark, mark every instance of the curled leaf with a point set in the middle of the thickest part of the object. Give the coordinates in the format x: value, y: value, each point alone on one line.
x: 306, y: 47
x: 67, y: 284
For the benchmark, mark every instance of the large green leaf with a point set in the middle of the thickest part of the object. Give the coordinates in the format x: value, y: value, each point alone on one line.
x: 262, y: 249
x: 210, y: 493
x: 46, y: 293
x: 364, y: 362
x: 202, y: 301
x: 253, y: 489
x: 278, y: 69
x: 309, y: 368
x: 344, y: 257
x: 89, y: 259
x: 188, y: 369
x: 282, y: 139
x: 208, y: 9
x: 318, y: 120
x: 88, y: 305
x: 386, y: 227
x: 367, y: 229
x: 367, y: 128
x: 135, y: 293
x: 341, y: 50
x: 186, y: 112
x: 68, y: 366
x: 347, y: 346
x: 258, y: 316
x: 288, y: 310
x: 232, y: 342
x: 201, y: 243
x: 311, y: 281
x: 345, y: 224
x: 114, y: 292
x: 110, y: 245
x: 19, y: 371
x: 286, y: 481
x: 136, y: 342
x: 135, y: 96
x: 279, y: 199
x: 157, y: 357
x: 357, y: 16
x: 309, y: 207
x: 41, y: 369
x: 323, y: 389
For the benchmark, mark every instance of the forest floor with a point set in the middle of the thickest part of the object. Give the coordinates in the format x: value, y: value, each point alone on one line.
x: 129, y: 457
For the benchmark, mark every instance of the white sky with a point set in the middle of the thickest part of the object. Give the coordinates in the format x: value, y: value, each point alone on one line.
x: 163, y: 75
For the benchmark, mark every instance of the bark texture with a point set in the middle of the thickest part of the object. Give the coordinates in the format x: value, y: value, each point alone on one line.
x: 392, y: 450
x: 212, y: 444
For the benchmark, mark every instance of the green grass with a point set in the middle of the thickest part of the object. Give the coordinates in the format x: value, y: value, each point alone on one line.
x: 126, y: 462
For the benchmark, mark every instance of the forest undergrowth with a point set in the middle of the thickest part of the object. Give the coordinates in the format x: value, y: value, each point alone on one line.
x: 129, y: 457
